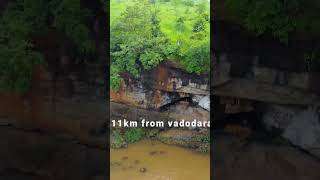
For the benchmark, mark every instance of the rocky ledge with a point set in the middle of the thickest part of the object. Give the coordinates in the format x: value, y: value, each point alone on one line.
x: 165, y: 93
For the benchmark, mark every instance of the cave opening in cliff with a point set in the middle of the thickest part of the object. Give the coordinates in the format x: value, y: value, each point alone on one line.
x: 183, y: 100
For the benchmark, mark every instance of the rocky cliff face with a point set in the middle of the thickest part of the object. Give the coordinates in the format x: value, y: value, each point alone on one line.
x: 168, y: 91
x: 58, y: 129
x: 46, y: 134
x: 243, y: 79
x: 165, y: 93
x: 261, y: 68
x: 261, y: 83
x: 266, y: 98
x: 51, y: 108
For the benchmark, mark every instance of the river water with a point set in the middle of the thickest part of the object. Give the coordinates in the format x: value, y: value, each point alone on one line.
x: 152, y: 160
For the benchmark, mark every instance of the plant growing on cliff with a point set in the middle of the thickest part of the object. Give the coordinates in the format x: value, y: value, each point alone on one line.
x: 24, y: 18
x: 134, y: 134
x: 205, y: 139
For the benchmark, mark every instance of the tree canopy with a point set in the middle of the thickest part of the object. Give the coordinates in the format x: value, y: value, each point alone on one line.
x: 145, y: 33
x: 24, y: 18
x: 278, y: 17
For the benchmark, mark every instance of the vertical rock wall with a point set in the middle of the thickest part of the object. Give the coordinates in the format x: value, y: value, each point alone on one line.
x: 168, y: 90
x: 48, y: 135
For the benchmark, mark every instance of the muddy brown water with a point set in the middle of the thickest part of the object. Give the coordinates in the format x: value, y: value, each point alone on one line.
x: 153, y: 160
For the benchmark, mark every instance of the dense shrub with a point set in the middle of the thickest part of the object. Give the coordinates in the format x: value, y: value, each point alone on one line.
x: 199, y: 26
x: 134, y: 134
x: 204, y: 139
x: 137, y: 42
x: 197, y: 58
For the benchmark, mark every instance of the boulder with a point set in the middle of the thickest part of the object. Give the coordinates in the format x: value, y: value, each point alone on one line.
x: 205, y: 103
x: 301, y: 126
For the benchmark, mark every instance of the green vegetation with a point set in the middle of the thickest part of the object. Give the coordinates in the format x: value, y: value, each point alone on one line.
x: 134, y: 134
x: 196, y: 58
x: 117, y: 140
x: 24, y: 18
x: 145, y: 33
x: 203, y: 142
x: 281, y: 18
x: 205, y: 139
x: 120, y: 138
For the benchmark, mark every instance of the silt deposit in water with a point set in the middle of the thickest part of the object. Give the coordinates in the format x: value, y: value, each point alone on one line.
x: 152, y: 160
